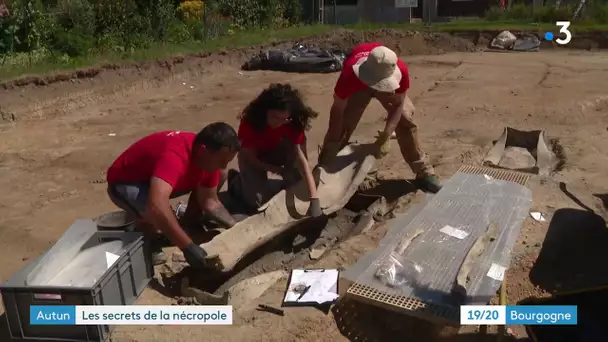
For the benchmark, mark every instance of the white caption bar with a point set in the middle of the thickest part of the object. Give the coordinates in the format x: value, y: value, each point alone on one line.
x: 153, y: 315
x: 483, y: 314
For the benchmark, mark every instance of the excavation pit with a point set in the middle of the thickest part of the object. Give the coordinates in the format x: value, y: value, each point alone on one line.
x: 526, y: 151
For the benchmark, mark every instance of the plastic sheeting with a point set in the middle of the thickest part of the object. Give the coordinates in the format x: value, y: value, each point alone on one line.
x: 504, y: 41
x: 527, y: 42
x: 526, y: 151
x: 299, y: 58
x: 450, y: 221
x: 523, y: 42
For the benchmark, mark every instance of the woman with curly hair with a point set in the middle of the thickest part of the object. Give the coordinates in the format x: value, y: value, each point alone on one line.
x: 273, y: 141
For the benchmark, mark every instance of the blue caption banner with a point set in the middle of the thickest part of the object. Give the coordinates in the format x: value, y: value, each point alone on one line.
x: 542, y: 314
x: 130, y: 315
x: 52, y: 315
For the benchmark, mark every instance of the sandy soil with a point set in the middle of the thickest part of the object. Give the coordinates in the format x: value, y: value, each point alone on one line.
x: 58, y: 139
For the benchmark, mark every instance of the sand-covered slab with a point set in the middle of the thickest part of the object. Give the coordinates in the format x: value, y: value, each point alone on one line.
x: 336, y: 185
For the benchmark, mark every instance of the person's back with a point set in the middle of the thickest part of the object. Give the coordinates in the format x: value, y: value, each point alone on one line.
x: 137, y: 162
x: 166, y: 155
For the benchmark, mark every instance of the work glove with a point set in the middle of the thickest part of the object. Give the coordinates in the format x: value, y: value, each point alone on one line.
x: 196, y: 256
x: 383, y: 145
x: 328, y: 153
x: 314, y: 208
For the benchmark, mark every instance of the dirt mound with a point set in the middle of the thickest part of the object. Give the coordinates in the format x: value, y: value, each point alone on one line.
x: 403, y: 42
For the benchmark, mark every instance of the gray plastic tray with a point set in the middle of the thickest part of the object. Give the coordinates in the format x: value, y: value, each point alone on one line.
x: 82, y: 246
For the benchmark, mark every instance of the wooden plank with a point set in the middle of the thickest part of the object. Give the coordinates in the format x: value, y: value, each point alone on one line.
x: 481, y: 244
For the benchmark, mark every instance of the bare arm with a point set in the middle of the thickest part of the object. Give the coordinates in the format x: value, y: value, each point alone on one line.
x: 251, y: 157
x: 305, y: 170
x: 159, y: 213
x: 213, y: 207
x: 336, y: 120
x: 394, y: 106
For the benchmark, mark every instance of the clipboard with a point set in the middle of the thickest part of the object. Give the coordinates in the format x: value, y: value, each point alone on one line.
x: 320, y: 286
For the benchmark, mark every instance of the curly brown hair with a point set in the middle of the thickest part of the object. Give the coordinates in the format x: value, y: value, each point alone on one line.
x: 279, y: 96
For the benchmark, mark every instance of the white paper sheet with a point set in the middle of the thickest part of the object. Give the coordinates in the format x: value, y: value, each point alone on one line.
x: 497, y: 272
x: 323, y: 286
x: 454, y: 232
x: 539, y: 217
x: 111, y: 258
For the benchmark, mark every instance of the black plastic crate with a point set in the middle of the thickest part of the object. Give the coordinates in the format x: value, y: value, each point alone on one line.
x: 120, y: 284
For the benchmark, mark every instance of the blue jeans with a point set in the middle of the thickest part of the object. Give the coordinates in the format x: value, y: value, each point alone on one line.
x: 133, y: 197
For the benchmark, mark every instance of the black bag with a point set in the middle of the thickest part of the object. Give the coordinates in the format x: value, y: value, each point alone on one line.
x: 299, y: 58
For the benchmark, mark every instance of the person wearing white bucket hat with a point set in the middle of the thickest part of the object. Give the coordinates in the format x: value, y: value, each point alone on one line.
x: 374, y: 71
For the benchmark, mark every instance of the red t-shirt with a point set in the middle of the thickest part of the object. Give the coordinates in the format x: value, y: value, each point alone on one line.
x: 269, y: 138
x: 166, y: 155
x: 348, y: 83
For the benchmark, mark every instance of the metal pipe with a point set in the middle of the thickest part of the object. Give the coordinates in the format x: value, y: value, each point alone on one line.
x: 321, y: 11
x: 335, y: 13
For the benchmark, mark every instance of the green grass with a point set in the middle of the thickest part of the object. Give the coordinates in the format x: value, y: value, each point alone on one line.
x: 258, y: 37
x: 164, y: 50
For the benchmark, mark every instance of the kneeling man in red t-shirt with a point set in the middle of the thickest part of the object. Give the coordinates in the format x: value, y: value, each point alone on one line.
x: 170, y: 164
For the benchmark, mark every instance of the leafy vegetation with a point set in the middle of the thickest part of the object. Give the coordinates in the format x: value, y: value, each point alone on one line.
x: 46, y: 35
x: 68, y: 29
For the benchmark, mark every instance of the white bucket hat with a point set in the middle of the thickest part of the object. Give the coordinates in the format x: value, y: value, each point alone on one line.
x: 379, y: 70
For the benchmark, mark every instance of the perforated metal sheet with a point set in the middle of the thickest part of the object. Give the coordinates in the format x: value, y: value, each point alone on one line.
x: 500, y: 174
x: 416, y: 307
x: 468, y: 202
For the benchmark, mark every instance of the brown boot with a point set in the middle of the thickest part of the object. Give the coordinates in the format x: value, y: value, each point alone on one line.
x: 430, y: 183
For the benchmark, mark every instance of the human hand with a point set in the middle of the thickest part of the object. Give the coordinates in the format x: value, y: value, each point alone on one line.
x: 383, y: 145
x: 314, y: 208
x: 197, y: 257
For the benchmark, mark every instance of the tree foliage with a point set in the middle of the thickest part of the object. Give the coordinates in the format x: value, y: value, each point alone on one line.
x: 76, y: 28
